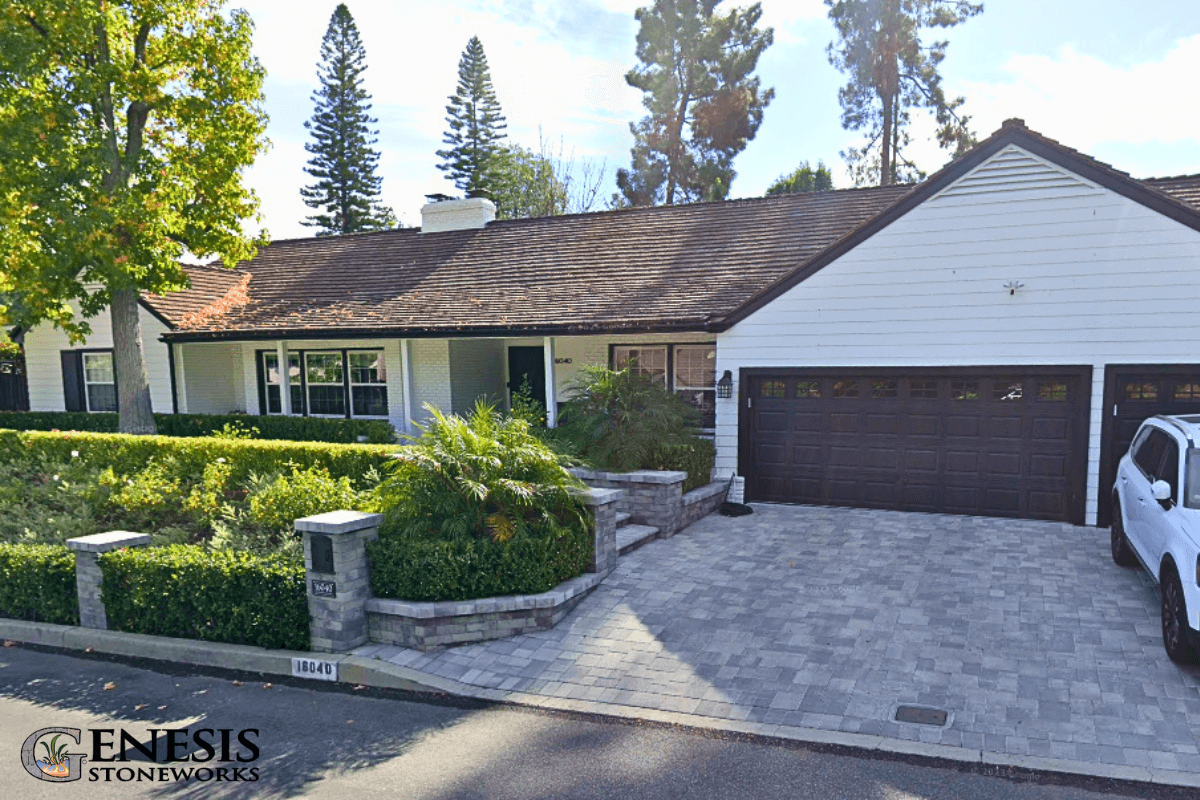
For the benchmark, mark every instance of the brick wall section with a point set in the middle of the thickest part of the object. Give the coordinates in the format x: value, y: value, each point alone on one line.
x: 699, y: 503
x: 423, y: 626
x: 652, y: 497
x: 339, y: 624
x: 87, y: 571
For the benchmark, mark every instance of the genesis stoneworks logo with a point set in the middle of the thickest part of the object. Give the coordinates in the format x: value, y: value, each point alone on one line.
x: 51, y: 754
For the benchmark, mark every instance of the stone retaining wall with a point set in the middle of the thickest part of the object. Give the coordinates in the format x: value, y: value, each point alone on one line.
x: 652, y: 497
x: 423, y: 626
x: 699, y: 503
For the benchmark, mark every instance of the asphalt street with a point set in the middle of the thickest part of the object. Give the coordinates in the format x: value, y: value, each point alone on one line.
x: 324, y: 742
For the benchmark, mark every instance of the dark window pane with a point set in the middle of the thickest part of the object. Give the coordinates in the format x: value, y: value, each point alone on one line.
x: 808, y: 388
x: 845, y: 388
x: 297, y: 399
x: 102, y: 397
x: 1148, y: 452
x: 273, y: 404
x: 923, y: 390
x: 772, y: 389
x: 1141, y: 390
x: 326, y: 400
x: 1052, y: 390
x: 369, y: 401
x: 1169, y: 471
x: 1007, y: 389
x: 964, y: 390
x: 705, y: 400
x: 884, y: 388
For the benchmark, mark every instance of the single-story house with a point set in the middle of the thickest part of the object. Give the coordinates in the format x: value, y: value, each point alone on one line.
x: 983, y: 342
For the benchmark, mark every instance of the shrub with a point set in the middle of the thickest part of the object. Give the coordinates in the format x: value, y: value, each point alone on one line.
x: 297, y: 429
x: 464, y: 569
x: 37, y: 583
x: 128, y: 454
x: 622, y: 420
x: 192, y: 592
x: 48, y: 500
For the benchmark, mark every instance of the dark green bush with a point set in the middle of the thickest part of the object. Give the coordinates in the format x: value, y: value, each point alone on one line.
x: 127, y: 454
x: 192, y: 592
x: 37, y: 583
x: 622, y: 420
x: 464, y: 569
x: 296, y: 429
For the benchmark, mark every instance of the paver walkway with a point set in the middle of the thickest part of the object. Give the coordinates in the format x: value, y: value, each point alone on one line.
x: 1026, y: 632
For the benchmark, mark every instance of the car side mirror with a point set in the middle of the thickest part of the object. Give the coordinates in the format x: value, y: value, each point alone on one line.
x: 1162, y: 493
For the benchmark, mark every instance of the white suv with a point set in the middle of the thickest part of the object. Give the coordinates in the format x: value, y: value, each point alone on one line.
x: 1156, y: 520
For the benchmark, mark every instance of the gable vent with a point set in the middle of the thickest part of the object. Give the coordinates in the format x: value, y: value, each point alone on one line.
x: 1016, y: 170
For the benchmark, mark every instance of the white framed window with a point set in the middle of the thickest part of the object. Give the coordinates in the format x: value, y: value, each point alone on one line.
x: 325, y: 383
x: 646, y: 359
x: 368, y: 383
x: 271, y: 383
x: 99, y: 382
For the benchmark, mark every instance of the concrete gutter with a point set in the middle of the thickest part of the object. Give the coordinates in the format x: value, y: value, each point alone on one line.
x: 377, y: 673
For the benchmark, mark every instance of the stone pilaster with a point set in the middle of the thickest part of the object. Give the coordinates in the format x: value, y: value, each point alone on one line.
x: 602, y: 503
x: 87, y: 571
x: 338, y: 592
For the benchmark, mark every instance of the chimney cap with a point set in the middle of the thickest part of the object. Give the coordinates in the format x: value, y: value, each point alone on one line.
x: 438, y: 197
x: 1013, y: 122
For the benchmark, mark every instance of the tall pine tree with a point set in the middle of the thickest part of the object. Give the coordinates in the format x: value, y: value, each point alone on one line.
x: 475, y: 157
x: 346, y: 192
x: 705, y: 103
x: 892, y: 71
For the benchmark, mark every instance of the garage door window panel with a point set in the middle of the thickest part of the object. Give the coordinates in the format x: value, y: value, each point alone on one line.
x: 1052, y: 391
x: 1187, y: 391
x: 923, y: 390
x: 964, y: 390
x: 1008, y: 390
x: 845, y: 388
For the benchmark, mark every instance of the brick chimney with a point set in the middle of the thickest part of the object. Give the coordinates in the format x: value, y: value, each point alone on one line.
x: 455, y: 215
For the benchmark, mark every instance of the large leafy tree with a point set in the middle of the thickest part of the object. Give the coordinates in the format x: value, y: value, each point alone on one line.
x: 545, y: 182
x: 705, y: 104
x: 125, y: 127
x: 474, y: 157
x: 346, y: 192
x: 804, y: 178
x: 891, y: 72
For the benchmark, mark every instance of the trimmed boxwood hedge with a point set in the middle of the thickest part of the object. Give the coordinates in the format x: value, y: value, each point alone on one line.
x: 37, y: 583
x: 127, y: 453
x: 192, y: 592
x: 296, y: 429
x: 430, y: 570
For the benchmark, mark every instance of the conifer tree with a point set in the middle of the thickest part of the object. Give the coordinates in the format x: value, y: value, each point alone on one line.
x: 346, y: 192
x: 474, y: 158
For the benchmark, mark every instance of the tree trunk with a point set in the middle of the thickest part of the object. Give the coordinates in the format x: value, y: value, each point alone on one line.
x: 886, y: 155
x: 129, y: 360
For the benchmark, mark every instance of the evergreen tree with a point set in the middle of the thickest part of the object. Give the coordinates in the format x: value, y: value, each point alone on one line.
x: 475, y: 157
x: 346, y: 192
x: 892, y: 72
x: 705, y: 105
x: 803, y: 179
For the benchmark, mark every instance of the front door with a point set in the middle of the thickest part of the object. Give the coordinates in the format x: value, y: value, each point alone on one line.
x: 527, y: 364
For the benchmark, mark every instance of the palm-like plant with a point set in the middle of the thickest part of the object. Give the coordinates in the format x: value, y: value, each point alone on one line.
x: 483, y: 475
x: 55, y: 752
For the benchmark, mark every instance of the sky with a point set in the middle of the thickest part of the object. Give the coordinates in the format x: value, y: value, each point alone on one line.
x: 1112, y: 78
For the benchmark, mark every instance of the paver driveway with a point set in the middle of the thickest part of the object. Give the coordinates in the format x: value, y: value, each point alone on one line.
x: 828, y: 618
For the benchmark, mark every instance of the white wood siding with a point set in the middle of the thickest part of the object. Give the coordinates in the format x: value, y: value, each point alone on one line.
x: 1106, y: 280
x: 44, y: 344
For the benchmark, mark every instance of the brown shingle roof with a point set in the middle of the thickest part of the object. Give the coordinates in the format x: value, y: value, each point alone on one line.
x: 636, y: 269
x: 1182, y: 187
x: 210, y: 284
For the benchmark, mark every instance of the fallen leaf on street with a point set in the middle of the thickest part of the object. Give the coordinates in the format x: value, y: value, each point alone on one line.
x: 109, y: 686
x: 89, y: 649
x: 236, y: 683
x: 9, y: 643
x: 160, y: 708
x: 139, y: 706
x: 268, y: 685
x: 358, y: 688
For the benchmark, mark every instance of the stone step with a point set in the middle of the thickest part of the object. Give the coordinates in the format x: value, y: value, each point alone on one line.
x: 631, y: 537
x: 622, y: 518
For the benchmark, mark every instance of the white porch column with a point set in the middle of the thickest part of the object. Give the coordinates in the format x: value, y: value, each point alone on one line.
x: 406, y: 381
x: 551, y: 395
x: 285, y: 378
x: 180, y: 379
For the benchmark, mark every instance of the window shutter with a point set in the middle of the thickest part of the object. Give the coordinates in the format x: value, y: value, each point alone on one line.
x: 72, y: 375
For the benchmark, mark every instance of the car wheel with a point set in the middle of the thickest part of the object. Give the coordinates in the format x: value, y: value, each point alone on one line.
x: 1122, y: 553
x: 1174, y: 619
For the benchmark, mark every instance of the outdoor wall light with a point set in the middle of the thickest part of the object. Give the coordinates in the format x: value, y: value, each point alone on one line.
x: 725, y: 385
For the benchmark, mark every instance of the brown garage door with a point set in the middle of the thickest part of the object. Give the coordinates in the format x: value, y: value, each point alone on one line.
x: 1133, y: 392
x: 996, y: 442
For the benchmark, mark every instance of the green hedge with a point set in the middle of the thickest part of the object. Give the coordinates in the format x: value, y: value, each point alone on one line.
x: 695, y: 458
x: 432, y: 570
x: 192, y: 592
x: 127, y: 453
x: 296, y: 429
x: 37, y: 583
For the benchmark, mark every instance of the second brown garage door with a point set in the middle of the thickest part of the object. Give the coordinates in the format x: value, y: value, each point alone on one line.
x: 990, y: 441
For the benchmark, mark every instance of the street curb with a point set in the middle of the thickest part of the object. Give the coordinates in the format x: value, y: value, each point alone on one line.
x: 377, y: 673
